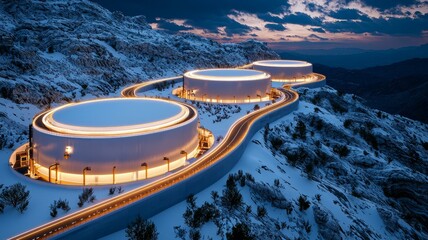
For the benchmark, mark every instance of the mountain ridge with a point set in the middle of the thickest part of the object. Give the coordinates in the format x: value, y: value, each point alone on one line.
x: 399, y: 88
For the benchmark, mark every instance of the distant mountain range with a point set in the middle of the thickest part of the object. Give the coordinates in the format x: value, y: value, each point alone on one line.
x: 399, y: 88
x: 354, y: 58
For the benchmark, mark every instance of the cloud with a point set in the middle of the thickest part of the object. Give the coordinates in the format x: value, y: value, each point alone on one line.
x: 171, y: 26
x: 346, y: 13
x: 193, y: 9
x: 275, y: 27
x: 223, y: 18
x: 207, y: 15
x: 302, y: 19
x: 316, y: 37
x: 392, y: 26
x: 269, y: 18
x: 319, y: 30
x: 212, y: 25
x: 387, y: 4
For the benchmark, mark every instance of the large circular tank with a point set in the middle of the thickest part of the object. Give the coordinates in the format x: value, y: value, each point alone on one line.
x: 227, y: 85
x: 284, y: 69
x: 117, y: 136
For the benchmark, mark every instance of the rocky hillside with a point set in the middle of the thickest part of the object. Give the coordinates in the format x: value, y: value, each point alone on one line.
x: 57, y: 51
x: 333, y: 169
x: 399, y: 88
x: 364, y: 157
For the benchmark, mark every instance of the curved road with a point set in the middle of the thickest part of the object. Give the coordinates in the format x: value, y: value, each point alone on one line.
x: 236, y: 134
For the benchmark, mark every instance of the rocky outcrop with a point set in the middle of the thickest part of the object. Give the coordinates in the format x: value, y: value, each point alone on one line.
x: 363, y: 157
x: 63, y: 50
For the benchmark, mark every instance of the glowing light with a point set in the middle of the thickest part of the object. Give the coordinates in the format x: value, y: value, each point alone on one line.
x: 219, y: 74
x: 50, y: 123
x: 102, y: 179
x: 69, y: 149
x: 282, y: 63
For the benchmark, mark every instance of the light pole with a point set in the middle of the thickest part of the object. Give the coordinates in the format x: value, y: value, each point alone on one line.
x: 114, y: 174
x: 84, y: 174
x: 144, y: 164
x: 166, y: 159
x: 55, y: 165
x: 249, y: 98
x: 258, y: 95
x: 184, y: 152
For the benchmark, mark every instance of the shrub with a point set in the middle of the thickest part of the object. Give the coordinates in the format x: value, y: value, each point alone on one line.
x: 112, y: 190
x: 53, y: 209
x: 307, y: 226
x: 276, y: 182
x: 341, y: 150
x: 87, y: 195
x: 369, y: 137
x: 195, y: 234
x: 303, y: 203
x: 256, y: 107
x: 231, y: 197
x: 261, y: 211
x: 63, y: 204
x: 276, y: 142
x: 297, y: 156
x: 300, y: 130
x: 141, y: 229
x: 16, y: 196
x: 240, y: 231
x: 337, y: 107
x: 180, y: 232
x: 347, y: 123
x: 266, y: 132
x: 248, y: 209
x: 215, y: 196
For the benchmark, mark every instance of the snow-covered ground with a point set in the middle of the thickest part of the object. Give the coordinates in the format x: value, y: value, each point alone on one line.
x: 336, y: 211
x: 350, y: 214
x: 43, y: 194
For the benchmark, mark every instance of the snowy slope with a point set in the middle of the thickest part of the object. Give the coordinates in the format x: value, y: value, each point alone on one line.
x: 362, y: 195
x: 63, y: 51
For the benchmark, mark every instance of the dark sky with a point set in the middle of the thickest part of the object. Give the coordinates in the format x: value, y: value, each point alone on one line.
x: 371, y: 24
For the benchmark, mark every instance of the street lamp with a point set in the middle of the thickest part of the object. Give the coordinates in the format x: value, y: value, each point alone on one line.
x: 144, y: 165
x: 55, y: 165
x: 114, y: 176
x: 249, y: 98
x: 166, y: 159
x: 184, y: 152
x: 84, y: 174
x: 258, y: 95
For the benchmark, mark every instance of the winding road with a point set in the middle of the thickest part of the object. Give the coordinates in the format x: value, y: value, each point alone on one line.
x: 234, y: 137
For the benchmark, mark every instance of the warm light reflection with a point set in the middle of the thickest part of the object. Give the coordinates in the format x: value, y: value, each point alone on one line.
x: 103, y: 179
x: 191, y: 96
x: 227, y: 74
x: 313, y: 77
x: 283, y: 63
x: 51, y: 124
